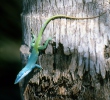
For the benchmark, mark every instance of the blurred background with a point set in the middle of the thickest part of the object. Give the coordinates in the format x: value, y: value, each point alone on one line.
x: 10, y: 41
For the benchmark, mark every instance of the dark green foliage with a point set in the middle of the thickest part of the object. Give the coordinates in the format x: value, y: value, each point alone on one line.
x: 10, y: 38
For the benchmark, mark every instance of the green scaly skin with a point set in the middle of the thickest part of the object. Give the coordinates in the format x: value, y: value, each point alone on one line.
x: 38, y: 40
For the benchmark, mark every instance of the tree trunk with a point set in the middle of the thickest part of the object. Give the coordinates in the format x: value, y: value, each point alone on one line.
x: 76, y: 64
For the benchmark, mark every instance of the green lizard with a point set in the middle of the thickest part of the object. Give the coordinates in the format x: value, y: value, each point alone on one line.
x: 36, y: 48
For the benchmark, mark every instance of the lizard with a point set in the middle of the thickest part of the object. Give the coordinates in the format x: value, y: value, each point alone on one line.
x: 31, y: 63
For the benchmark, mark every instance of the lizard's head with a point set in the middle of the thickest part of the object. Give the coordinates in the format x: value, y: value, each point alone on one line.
x: 21, y: 75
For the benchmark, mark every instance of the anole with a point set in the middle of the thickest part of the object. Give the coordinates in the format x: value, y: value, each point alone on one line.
x: 31, y: 64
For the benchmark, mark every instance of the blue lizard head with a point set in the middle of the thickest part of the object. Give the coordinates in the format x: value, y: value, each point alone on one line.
x: 25, y: 71
x: 28, y: 68
x: 22, y: 74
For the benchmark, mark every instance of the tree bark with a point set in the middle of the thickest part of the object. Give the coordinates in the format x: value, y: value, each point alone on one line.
x: 76, y: 64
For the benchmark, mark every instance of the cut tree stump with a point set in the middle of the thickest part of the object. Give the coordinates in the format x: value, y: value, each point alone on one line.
x: 76, y: 64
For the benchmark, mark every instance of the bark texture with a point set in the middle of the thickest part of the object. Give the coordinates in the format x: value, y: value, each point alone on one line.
x: 76, y: 64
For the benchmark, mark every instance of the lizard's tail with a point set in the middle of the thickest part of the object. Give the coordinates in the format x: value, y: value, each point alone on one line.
x: 56, y: 17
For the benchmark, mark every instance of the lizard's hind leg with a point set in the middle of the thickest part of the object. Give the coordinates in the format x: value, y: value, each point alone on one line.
x: 45, y: 44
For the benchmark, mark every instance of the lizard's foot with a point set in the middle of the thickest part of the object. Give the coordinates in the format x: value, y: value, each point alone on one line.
x: 45, y: 44
x: 36, y: 65
x: 50, y: 40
